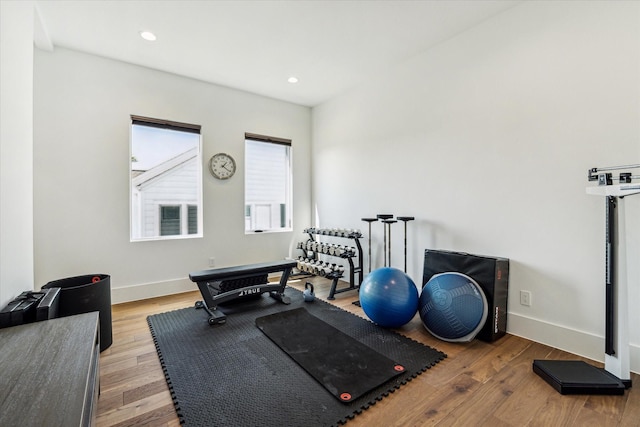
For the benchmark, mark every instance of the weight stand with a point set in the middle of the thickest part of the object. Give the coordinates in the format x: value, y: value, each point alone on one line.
x: 405, y: 219
x: 356, y: 272
x: 370, y: 220
x: 388, y: 223
x: 384, y: 217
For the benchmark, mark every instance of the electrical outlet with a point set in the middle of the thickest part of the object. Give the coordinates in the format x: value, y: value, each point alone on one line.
x: 212, y: 262
x: 525, y: 298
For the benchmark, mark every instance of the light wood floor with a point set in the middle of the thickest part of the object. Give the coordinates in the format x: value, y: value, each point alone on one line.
x: 479, y: 384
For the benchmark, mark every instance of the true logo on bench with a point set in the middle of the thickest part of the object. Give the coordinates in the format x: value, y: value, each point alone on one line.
x: 249, y: 292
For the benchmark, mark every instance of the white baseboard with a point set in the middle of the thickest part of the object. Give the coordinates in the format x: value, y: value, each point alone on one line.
x: 151, y: 290
x: 573, y: 341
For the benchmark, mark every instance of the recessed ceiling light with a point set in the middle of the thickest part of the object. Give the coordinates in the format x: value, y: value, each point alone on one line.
x: 293, y: 79
x: 148, y: 35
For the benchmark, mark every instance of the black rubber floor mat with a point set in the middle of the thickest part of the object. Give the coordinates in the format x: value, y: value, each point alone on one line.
x: 234, y: 375
x: 343, y: 365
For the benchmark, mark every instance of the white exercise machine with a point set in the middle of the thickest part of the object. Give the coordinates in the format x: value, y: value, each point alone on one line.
x: 577, y: 377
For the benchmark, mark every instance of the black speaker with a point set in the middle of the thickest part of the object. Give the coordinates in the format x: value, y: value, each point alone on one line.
x: 491, y: 273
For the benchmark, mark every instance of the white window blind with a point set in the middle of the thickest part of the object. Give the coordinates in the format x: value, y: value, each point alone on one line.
x: 267, y: 184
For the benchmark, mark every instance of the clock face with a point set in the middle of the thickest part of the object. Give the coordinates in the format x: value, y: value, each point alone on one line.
x: 222, y: 166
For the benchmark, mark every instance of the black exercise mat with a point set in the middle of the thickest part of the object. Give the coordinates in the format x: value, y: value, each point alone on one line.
x: 234, y: 375
x: 343, y: 365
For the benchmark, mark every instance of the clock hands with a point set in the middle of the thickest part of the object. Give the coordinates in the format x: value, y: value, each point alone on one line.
x: 225, y: 166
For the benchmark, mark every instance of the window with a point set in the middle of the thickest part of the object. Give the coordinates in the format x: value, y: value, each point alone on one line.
x: 267, y: 184
x: 192, y: 219
x: 169, y: 220
x: 172, y: 222
x: 166, y: 179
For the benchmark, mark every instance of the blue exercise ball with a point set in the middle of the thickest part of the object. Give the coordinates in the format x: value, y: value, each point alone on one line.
x: 453, y: 307
x: 389, y: 297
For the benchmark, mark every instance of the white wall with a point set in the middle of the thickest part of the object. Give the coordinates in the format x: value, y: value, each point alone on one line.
x: 16, y: 149
x: 487, y: 139
x: 82, y: 105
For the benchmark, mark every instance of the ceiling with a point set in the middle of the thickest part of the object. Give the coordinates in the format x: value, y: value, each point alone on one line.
x: 256, y: 46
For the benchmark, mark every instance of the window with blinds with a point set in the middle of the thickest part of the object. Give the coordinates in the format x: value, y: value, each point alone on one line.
x: 267, y: 184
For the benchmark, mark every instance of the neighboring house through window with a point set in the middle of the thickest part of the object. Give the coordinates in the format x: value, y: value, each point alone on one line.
x: 166, y: 179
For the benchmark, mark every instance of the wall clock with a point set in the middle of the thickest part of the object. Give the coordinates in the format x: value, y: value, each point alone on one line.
x: 222, y: 166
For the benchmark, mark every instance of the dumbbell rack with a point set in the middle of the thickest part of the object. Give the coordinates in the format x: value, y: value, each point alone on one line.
x: 354, y: 269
